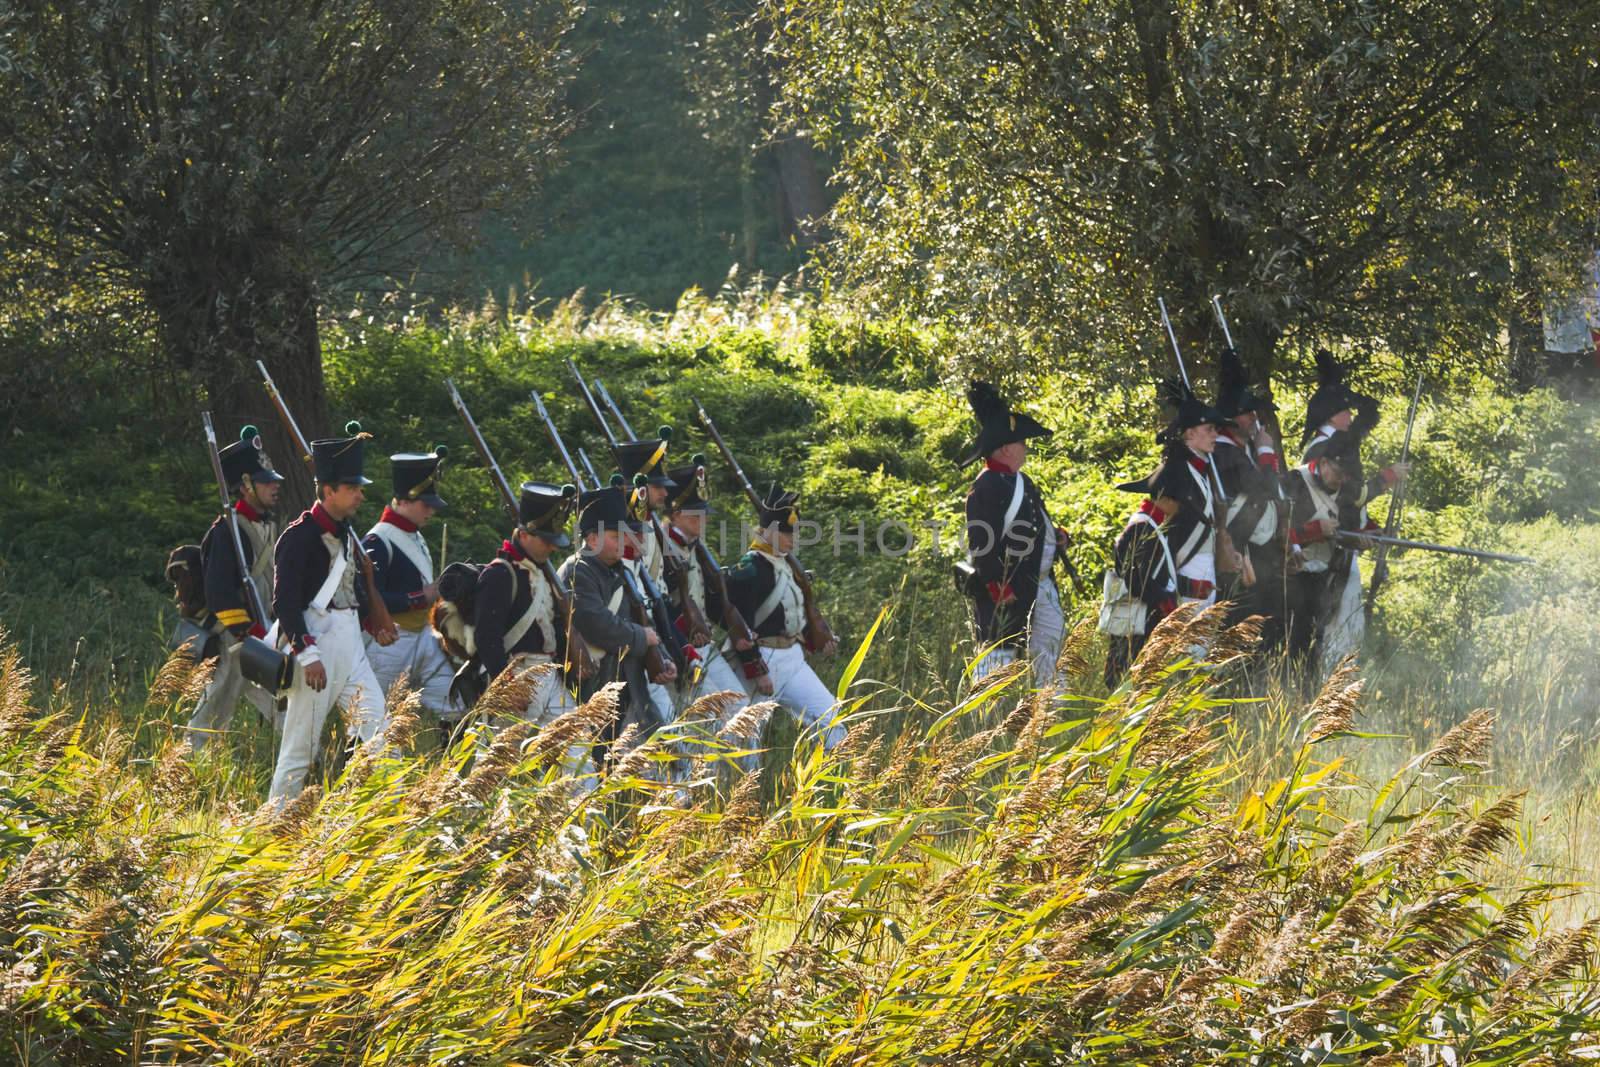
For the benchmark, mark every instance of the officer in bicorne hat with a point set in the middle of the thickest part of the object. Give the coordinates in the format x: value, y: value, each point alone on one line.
x: 1185, y: 554
x: 404, y: 574
x: 601, y: 612
x: 762, y: 586
x: 320, y: 605
x: 255, y: 486
x: 1012, y: 543
x: 723, y: 667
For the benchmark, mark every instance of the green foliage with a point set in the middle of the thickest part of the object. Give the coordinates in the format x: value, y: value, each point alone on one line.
x: 236, y: 166
x: 1066, y: 885
x: 1036, y: 174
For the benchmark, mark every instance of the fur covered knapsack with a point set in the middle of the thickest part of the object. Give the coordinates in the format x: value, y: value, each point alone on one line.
x: 452, y: 614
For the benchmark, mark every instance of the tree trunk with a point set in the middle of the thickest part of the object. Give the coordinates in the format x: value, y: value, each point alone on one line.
x: 276, y: 324
x: 802, y: 202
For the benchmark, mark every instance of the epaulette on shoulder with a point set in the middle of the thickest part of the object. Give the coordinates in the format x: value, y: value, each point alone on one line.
x: 746, y: 564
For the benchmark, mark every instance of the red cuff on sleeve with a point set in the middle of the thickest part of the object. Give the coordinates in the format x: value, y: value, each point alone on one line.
x: 998, y: 592
x: 1309, y: 534
x: 1268, y: 460
x: 256, y: 630
x: 755, y: 668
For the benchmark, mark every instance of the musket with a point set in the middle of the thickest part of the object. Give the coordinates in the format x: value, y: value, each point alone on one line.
x: 694, y: 617
x: 588, y: 465
x: 1391, y: 526
x: 1399, y: 542
x: 377, y: 610
x: 578, y: 661
x: 732, y: 619
x: 276, y: 663
x: 654, y: 656
x: 817, y: 632
x: 555, y: 438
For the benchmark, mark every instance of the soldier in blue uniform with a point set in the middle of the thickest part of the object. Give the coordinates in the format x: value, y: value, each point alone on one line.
x: 320, y: 605
x: 404, y: 572
x: 722, y: 668
x: 1012, y: 543
x: 256, y: 487
x: 763, y: 587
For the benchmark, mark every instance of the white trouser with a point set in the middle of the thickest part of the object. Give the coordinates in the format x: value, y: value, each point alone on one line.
x: 551, y: 700
x: 213, y: 714
x: 351, y: 684
x: 426, y: 667
x: 1346, y: 620
x: 796, y: 686
x: 1047, y: 627
x: 720, y: 674
x: 661, y: 699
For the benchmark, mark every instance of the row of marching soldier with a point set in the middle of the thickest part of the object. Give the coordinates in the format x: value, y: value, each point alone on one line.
x: 342, y: 618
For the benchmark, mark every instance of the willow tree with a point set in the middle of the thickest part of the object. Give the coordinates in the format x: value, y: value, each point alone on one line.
x: 1361, y: 170
x: 240, y: 165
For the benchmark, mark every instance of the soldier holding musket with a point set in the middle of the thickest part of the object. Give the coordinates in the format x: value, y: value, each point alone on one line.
x: 404, y: 573
x: 705, y: 589
x: 762, y: 585
x: 607, y: 608
x: 320, y: 607
x: 255, y: 486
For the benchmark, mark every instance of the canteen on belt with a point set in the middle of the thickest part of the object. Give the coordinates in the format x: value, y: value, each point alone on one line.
x: 264, y: 665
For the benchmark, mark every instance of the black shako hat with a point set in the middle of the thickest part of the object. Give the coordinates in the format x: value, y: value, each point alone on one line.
x: 1185, y: 411
x: 780, y: 508
x: 648, y: 458
x: 544, y: 509
x: 689, y: 492
x: 1333, y: 393
x: 247, y: 458
x: 416, y: 475
x: 1234, y: 393
x: 997, y: 424
x: 338, y: 460
x: 605, y: 509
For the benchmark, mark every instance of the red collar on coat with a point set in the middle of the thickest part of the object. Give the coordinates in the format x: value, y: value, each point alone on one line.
x: 993, y: 464
x: 1149, y: 508
x: 394, y: 518
x: 320, y: 516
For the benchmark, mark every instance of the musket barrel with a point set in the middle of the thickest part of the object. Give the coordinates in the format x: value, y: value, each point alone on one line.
x: 1428, y: 546
x: 555, y: 438
x: 605, y: 394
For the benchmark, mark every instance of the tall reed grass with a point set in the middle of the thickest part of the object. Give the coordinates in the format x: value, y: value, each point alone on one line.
x: 1001, y: 876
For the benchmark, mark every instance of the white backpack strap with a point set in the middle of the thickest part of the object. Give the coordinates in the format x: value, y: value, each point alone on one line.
x: 1011, y: 511
x: 1161, y: 539
x: 407, y: 545
x: 330, y: 585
